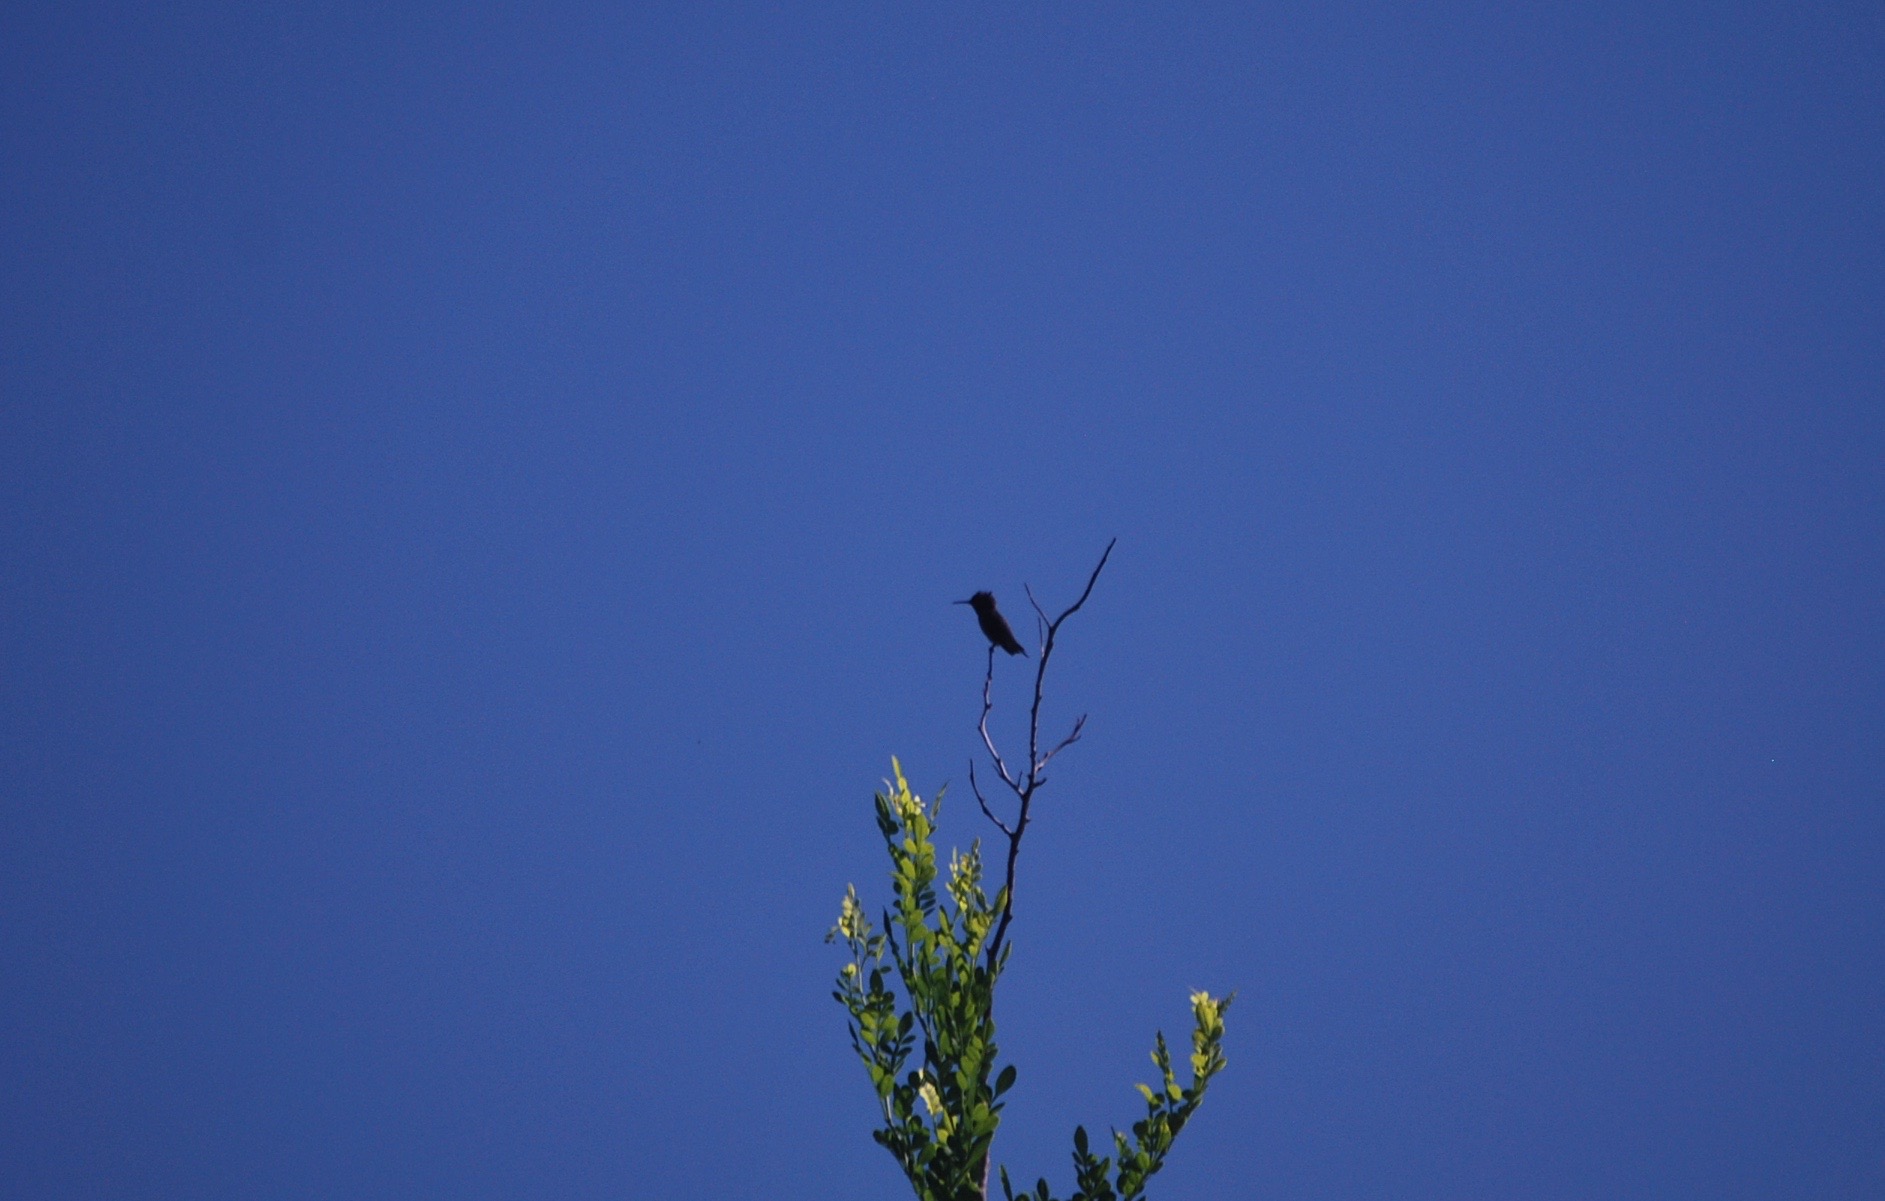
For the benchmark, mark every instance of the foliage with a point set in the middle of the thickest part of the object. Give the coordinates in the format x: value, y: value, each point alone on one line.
x: 1167, y: 1110
x: 950, y: 992
x: 939, y: 1119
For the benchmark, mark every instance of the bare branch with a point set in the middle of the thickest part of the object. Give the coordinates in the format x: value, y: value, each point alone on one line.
x: 988, y: 704
x: 1024, y: 789
x: 1040, y: 617
x: 983, y: 802
x: 1091, y: 580
x: 1066, y: 742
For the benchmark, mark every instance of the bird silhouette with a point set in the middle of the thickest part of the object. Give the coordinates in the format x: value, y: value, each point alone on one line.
x: 992, y: 622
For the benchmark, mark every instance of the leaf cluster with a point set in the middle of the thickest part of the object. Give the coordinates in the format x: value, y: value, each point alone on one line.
x: 1168, y: 1108
x: 939, y: 1119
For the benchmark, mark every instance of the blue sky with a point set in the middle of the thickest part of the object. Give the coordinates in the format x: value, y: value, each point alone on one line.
x: 483, y: 489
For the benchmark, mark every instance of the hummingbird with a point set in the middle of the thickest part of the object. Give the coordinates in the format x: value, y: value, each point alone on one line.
x: 992, y: 622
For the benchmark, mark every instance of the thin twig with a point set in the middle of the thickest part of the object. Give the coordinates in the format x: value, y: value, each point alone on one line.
x: 1066, y: 742
x: 1040, y: 614
x: 988, y: 704
x: 983, y: 802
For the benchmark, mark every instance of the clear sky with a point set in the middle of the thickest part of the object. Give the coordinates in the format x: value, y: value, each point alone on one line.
x: 483, y: 488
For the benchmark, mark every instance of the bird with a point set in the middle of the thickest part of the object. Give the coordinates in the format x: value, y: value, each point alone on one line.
x: 992, y: 622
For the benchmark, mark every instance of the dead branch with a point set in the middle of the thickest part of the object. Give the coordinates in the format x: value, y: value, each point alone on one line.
x: 1026, y: 786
